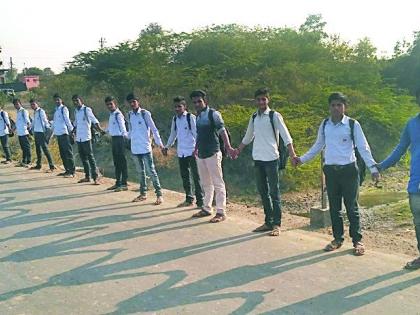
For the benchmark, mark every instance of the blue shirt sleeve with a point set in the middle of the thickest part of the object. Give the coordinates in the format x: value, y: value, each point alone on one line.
x: 399, y: 150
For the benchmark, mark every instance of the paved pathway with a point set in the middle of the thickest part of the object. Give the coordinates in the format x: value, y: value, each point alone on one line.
x: 69, y: 248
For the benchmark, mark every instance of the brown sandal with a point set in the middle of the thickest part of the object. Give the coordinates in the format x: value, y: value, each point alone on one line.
x: 359, y: 249
x: 139, y: 198
x: 218, y: 218
x: 201, y: 214
x: 159, y: 201
x: 334, y: 245
x: 275, y: 231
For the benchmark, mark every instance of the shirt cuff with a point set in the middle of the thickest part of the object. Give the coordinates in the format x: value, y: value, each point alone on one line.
x: 373, y: 169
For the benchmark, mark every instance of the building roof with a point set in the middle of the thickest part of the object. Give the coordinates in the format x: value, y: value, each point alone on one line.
x: 17, y: 86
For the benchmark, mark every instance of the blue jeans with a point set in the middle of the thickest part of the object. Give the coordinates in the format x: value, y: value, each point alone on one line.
x: 146, y: 166
x: 415, y: 210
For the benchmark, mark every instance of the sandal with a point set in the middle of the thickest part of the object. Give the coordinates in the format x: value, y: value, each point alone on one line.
x: 413, y: 265
x: 139, y: 198
x: 159, y: 201
x: 333, y: 246
x: 218, y: 218
x: 275, y: 231
x: 263, y: 228
x: 201, y: 214
x: 359, y: 249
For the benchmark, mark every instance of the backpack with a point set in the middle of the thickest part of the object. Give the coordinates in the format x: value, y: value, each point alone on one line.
x: 221, y: 142
x: 12, y: 124
x: 127, y: 142
x: 283, y: 151
x: 95, y: 134
x: 71, y: 134
x: 188, y: 121
x: 359, y: 160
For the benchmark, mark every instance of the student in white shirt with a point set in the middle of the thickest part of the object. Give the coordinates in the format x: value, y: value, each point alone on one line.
x: 83, y: 121
x: 264, y: 128
x: 40, y: 125
x: 140, y: 124
x: 340, y: 136
x: 118, y: 133
x: 62, y: 129
x: 23, y: 125
x: 5, y: 130
x: 184, y: 131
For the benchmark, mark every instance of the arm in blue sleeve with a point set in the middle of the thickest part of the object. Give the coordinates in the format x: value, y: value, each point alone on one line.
x: 398, y: 152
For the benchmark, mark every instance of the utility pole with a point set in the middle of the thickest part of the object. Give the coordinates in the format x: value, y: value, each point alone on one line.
x: 102, y: 42
x: 11, y: 64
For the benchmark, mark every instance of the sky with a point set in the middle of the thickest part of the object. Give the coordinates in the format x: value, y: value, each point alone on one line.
x: 48, y: 33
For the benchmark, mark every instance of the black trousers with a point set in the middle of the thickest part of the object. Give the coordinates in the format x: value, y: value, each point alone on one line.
x: 120, y: 162
x: 343, y: 183
x: 188, y: 169
x: 6, y: 149
x: 41, y: 145
x: 267, y: 175
x: 25, y: 145
x: 88, y: 160
x: 66, y: 153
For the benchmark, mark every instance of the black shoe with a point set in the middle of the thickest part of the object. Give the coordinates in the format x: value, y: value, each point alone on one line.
x: 63, y: 174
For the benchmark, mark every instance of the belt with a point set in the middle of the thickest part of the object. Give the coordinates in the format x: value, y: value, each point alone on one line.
x: 340, y: 167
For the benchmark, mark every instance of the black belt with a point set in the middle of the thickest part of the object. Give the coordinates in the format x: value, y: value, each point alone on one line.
x: 340, y: 167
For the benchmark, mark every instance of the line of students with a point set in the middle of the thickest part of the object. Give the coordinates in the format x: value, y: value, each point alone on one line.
x: 199, y: 141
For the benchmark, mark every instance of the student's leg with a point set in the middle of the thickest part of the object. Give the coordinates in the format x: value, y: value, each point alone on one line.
x: 206, y: 184
x: 62, y: 148
x: 415, y: 210
x: 142, y: 173
x: 38, y: 140
x: 262, y: 186
x: 151, y: 171
x: 44, y: 146
x: 21, y: 144
x: 116, y: 159
x: 84, y: 158
x: 272, y: 171
x: 6, y: 149
x: 196, y: 178
x: 350, y: 183
x: 91, y: 159
x: 184, y: 169
x: 26, y: 149
x: 214, y: 165
x: 334, y: 193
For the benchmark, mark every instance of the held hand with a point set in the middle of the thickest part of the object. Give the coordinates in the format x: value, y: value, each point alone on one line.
x: 295, y: 160
x: 231, y: 152
x: 376, y: 177
x: 195, y: 153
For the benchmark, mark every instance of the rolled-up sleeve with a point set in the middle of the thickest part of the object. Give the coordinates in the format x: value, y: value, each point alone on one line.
x: 399, y: 150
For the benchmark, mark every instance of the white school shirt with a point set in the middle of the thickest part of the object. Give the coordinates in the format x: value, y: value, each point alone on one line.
x: 62, y: 124
x: 339, y: 147
x: 40, y: 121
x: 186, y: 137
x: 83, y: 119
x: 116, y: 124
x: 140, y: 132
x: 23, y: 123
x: 265, y: 147
x: 4, y: 122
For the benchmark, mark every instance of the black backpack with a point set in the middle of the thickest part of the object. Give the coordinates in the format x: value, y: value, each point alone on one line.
x: 359, y: 160
x: 221, y: 142
x: 188, y: 121
x: 283, y: 151
x: 12, y: 125
x: 96, y: 135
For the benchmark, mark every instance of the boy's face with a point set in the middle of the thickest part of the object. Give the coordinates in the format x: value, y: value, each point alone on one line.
x: 58, y: 101
x: 111, y: 106
x: 34, y: 105
x: 179, y: 108
x: 199, y: 103
x: 134, y: 104
x: 262, y: 101
x: 77, y: 102
x: 17, y: 105
x: 337, y: 108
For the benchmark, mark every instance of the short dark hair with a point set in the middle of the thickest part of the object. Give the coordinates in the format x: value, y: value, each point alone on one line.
x: 109, y: 99
x: 32, y: 100
x: 131, y: 96
x: 56, y: 95
x: 16, y: 100
x: 76, y: 96
x: 338, y: 96
x: 262, y: 92
x: 198, y: 93
x: 180, y: 100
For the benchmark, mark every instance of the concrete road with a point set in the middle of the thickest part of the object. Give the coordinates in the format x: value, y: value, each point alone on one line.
x: 69, y: 248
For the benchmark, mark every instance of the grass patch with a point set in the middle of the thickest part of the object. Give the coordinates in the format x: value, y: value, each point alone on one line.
x: 399, y: 212
x: 376, y: 198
